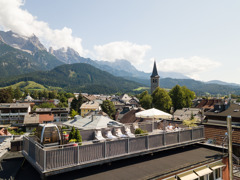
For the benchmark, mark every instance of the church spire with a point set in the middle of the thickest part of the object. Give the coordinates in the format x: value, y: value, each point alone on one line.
x: 154, y: 72
x: 154, y: 78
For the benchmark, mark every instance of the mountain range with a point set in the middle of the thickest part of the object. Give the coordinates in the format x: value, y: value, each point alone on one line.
x: 76, y: 77
x: 20, y: 55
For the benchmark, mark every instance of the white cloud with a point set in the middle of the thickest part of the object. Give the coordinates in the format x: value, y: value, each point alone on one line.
x: 191, y: 67
x: 13, y: 17
x: 121, y: 50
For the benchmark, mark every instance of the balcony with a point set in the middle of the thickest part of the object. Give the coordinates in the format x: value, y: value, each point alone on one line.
x: 48, y: 161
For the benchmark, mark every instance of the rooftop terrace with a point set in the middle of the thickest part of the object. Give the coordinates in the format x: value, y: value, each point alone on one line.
x: 59, y: 159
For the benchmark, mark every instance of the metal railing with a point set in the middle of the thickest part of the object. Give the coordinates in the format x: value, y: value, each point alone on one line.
x: 60, y: 157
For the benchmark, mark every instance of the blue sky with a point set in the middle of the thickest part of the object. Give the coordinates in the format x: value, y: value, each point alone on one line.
x: 197, y: 38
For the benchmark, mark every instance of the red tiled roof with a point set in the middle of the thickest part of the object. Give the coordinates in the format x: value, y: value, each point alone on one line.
x: 45, y: 117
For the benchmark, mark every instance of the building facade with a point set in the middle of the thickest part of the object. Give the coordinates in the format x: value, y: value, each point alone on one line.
x: 13, y: 113
x: 88, y: 107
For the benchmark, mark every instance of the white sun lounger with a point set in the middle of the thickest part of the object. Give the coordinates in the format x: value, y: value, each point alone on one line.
x: 128, y: 132
x: 119, y: 133
x: 135, y: 126
x: 110, y: 136
x: 98, y: 135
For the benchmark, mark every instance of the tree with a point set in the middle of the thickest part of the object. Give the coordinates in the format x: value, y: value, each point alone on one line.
x: 68, y: 95
x: 145, y: 100
x: 188, y: 96
x: 76, y: 103
x: 47, y: 105
x: 78, y: 136
x: 63, y: 99
x: 109, y: 108
x: 52, y: 94
x: 72, y: 133
x: 26, y: 92
x: 62, y: 105
x: 144, y: 93
x: 161, y: 99
x: 73, y: 113
x: 5, y: 96
x: 11, y: 91
x: 45, y: 94
x: 34, y: 94
x: 178, y: 97
x: 17, y: 93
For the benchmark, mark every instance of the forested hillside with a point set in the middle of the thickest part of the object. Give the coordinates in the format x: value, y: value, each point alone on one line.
x: 75, y: 78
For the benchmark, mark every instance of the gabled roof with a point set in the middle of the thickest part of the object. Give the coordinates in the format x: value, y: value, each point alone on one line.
x: 90, y: 105
x: 233, y: 110
x: 154, y: 72
x: 130, y: 117
x: 90, y: 122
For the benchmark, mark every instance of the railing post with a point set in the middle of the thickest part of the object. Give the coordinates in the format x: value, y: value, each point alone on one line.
x: 105, y: 149
x: 44, y: 160
x: 147, y: 138
x: 192, y: 134
x: 128, y: 145
x: 164, y: 138
x: 78, y: 154
x: 178, y: 136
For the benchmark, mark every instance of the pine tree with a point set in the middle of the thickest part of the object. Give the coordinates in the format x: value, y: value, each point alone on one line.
x: 109, y: 108
x: 72, y: 133
x: 78, y: 136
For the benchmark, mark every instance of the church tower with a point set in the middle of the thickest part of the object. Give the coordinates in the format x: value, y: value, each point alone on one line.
x: 154, y: 78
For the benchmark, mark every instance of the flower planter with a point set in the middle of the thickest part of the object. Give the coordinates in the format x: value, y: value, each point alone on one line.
x: 66, y: 136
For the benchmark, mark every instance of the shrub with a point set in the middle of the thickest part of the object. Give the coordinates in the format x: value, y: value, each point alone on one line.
x: 140, y: 131
x: 189, y: 123
x: 72, y: 140
x: 72, y: 133
x: 78, y: 137
x: 75, y: 135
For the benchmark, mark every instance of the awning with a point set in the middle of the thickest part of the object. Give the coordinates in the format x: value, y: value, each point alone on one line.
x: 153, y: 113
x: 216, y: 165
x: 188, y: 175
x: 202, y: 171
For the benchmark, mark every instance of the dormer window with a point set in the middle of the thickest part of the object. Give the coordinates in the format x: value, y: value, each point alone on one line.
x: 236, y: 110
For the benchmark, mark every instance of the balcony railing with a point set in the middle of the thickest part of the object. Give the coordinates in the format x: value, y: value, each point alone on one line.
x: 52, y: 159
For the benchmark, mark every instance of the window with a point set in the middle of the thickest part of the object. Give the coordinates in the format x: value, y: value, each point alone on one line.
x: 211, y: 176
x: 217, y: 173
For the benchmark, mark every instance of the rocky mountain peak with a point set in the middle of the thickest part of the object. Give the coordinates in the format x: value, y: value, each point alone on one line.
x: 29, y: 44
x: 67, y: 55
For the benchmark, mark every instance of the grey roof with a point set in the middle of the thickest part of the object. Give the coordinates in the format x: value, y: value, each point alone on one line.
x: 185, y: 113
x: 14, y: 105
x: 141, y: 167
x: 233, y: 110
x: 90, y: 122
x: 154, y: 72
x: 31, y: 119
